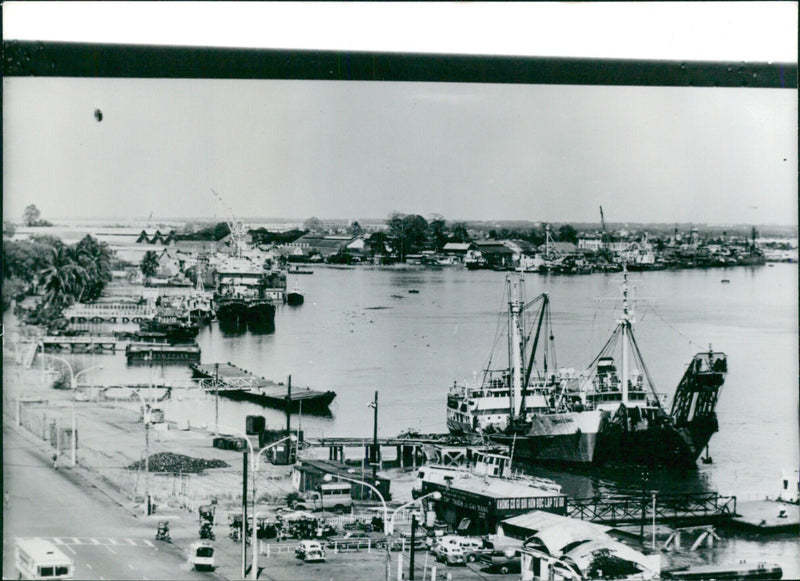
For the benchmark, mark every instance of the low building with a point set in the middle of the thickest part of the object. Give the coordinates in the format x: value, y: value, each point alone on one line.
x: 325, y: 246
x: 309, y: 474
x: 457, y: 248
x: 478, y: 505
x: 550, y: 539
x: 495, y: 254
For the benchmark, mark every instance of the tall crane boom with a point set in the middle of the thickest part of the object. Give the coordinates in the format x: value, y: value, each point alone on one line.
x: 235, y: 225
x: 602, y: 228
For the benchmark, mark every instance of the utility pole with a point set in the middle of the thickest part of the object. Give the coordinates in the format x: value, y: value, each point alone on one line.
x: 411, y: 552
x: 645, y: 476
x: 146, y: 419
x: 216, y: 398
x: 289, y: 418
x: 244, y: 514
x: 374, y: 459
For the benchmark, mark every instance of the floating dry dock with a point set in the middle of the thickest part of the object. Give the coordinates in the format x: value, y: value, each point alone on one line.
x: 237, y: 383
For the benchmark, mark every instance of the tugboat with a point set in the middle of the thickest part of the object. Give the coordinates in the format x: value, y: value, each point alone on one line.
x: 609, y: 413
x: 295, y: 298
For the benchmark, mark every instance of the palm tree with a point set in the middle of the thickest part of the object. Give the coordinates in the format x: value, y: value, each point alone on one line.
x: 149, y: 264
x: 61, y: 277
x: 95, y: 258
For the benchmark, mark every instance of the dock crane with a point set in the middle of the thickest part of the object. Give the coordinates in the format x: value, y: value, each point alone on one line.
x: 235, y: 225
x: 603, y: 235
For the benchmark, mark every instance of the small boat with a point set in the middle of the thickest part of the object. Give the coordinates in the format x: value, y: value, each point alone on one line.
x: 413, y: 291
x: 294, y: 298
x: 741, y: 570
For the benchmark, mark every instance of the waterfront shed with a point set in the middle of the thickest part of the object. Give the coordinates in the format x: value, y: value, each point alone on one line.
x: 479, y: 505
x: 309, y: 474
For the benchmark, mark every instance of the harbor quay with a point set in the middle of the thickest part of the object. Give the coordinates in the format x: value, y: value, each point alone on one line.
x: 112, y: 438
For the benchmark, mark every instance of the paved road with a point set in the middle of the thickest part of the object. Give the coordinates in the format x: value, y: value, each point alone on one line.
x: 105, y: 541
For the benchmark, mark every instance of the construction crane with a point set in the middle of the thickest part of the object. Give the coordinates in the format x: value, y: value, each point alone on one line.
x: 602, y: 230
x: 235, y: 225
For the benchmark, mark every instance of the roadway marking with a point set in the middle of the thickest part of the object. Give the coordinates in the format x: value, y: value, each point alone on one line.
x: 88, y: 565
x: 76, y: 541
x: 110, y: 549
x: 131, y: 566
x: 131, y: 542
x: 70, y: 549
x: 148, y: 543
x: 58, y: 541
x: 112, y: 541
x: 95, y: 541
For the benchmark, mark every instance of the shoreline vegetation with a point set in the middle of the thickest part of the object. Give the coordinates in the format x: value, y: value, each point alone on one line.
x: 37, y: 263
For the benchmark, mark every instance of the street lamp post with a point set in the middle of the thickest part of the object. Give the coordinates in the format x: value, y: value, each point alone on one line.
x: 146, y: 420
x: 244, y: 494
x: 255, y: 462
x: 329, y: 477
x: 72, y: 383
x: 436, y: 495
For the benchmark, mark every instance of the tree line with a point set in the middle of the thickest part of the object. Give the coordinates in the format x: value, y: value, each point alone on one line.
x: 65, y: 274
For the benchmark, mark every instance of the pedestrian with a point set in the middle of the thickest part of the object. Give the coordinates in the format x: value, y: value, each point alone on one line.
x: 6, y: 499
x: 55, y: 461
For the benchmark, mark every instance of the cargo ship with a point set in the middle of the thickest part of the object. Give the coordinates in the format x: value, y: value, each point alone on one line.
x: 610, y: 413
x: 246, y: 293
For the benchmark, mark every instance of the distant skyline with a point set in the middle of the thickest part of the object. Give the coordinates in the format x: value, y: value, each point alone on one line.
x: 342, y: 150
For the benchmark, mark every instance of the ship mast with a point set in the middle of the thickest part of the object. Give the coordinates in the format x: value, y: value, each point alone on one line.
x: 625, y: 323
x: 516, y: 346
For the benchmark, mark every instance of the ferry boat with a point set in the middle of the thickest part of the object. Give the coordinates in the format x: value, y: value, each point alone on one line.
x: 609, y: 413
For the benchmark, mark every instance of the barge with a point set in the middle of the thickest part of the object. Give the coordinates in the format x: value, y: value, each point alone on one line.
x: 239, y: 384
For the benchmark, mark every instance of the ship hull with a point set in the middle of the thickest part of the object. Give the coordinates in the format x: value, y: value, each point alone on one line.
x: 664, y: 445
x: 564, y: 438
x: 241, y: 312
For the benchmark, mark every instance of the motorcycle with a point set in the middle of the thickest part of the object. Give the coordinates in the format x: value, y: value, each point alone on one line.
x: 207, y: 531
x: 162, y: 534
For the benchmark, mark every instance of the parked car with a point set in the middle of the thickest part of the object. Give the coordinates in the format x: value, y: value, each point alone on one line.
x: 508, y: 561
x: 310, y: 551
x: 450, y: 554
x: 358, y: 540
x: 473, y: 548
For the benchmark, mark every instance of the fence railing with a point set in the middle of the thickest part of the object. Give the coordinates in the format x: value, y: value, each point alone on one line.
x: 668, y: 508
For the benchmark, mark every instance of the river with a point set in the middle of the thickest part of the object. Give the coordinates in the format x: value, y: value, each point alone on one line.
x: 361, y: 330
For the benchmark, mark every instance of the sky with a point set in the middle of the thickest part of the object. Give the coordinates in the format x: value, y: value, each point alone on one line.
x: 295, y: 149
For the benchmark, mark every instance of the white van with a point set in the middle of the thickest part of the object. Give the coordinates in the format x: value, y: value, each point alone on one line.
x: 201, y: 556
x: 328, y: 496
x: 41, y: 559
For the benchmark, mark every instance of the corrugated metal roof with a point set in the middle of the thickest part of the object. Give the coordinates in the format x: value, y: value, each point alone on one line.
x: 498, y: 488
